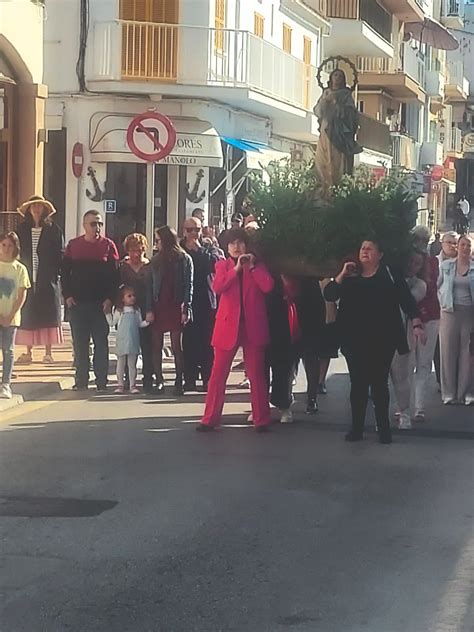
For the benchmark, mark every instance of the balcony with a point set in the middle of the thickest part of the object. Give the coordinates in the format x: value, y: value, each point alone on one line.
x: 435, y: 83
x: 404, y: 80
x: 452, y: 14
x: 374, y: 135
x: 194, y: 61
x: 457, y: 86
x: 432, y: 153
x: 406, y: 10
x: 359, y: 27
x: 406, y: 151
x: 455, y: 144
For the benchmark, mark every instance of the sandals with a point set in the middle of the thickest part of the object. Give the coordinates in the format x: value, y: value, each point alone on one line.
x: 48, y: 359
x: 25, y: 358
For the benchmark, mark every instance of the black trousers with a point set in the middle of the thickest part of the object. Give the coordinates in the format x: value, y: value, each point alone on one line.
x: 369, y: 367
x: 88, y: 321
x: 146, y: 346
x: 197, y: 350
x: 283, y: 364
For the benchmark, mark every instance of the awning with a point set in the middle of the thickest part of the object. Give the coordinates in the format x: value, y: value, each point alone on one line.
x: 197, y: 142
x: 258, y: 155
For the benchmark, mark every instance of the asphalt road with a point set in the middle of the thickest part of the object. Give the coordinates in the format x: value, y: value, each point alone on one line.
x: 116, y: 516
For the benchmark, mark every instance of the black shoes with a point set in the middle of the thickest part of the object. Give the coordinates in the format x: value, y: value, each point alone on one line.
x: 385, y: 438
x: 353, y: 436
x: 204, y: 428
x: 262, y: 429
x: 190, y: 386
x: 312, y: 407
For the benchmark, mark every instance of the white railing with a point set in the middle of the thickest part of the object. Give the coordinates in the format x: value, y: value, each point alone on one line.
x: 456, y: 140
x: 411, y: 63
x: 453, y: 8
x: 191, y: 55
x: 455, y: 72
x: 406, y: 151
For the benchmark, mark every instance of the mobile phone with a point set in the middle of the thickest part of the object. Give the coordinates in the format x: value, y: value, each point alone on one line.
x: 244, y: 258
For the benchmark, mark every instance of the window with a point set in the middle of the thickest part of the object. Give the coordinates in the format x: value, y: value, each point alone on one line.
x: 219, y: 24
x: 307, y: 50
x: 258, y: 24
x: 158, y: 11
x: 287, y: 31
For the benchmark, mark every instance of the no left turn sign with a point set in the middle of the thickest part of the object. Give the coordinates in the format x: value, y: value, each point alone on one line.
x: 151, y: 136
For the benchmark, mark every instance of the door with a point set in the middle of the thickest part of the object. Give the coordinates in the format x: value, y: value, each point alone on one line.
x: 126, y: 184
x: 150, y: 39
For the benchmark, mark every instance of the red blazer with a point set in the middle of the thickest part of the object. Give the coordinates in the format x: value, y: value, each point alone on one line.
x: 255, y: 284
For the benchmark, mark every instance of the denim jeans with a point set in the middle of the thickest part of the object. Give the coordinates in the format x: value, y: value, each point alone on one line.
x: 7, y: 342
x: 88, y: 321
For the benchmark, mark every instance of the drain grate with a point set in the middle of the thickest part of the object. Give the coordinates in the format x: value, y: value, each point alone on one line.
x: 48, y: 507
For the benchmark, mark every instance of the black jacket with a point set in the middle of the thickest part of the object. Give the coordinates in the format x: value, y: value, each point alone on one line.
x: 43, y: 303
x: 311, y: 312
x: 369, y: 310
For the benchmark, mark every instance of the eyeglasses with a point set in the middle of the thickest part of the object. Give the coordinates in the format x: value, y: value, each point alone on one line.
x: 95, y: 224
x: 193, y: 230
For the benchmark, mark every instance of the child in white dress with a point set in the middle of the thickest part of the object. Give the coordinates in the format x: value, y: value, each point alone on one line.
x: 128, y: 318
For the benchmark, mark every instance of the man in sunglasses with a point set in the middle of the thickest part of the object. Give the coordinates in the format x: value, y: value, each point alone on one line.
x: 90, y: 280
x: 198, y: 353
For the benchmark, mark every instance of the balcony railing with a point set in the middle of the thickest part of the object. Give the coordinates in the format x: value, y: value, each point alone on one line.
x: 455, y: 72
x: 411, y: 63
x: 452, y: 8
x: 455, y: 144
x: 406, y: 151
x: 374, y: 135
x: 199, y: 56
x: 368, y: 11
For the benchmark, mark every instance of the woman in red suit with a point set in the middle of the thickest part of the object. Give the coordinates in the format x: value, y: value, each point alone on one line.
x: 241, y: 284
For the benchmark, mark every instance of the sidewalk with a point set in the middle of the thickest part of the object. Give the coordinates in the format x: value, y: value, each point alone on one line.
x: 37, y: 380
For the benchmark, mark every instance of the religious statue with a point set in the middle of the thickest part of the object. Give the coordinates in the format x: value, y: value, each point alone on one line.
x: 338, y: 124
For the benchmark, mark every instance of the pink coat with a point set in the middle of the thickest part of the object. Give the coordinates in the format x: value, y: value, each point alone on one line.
x: 255, y: 284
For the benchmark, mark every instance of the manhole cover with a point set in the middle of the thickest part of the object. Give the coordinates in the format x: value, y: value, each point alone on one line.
x: 46, y: 507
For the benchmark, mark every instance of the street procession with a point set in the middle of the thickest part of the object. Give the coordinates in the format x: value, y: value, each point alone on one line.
x: 232, y: 218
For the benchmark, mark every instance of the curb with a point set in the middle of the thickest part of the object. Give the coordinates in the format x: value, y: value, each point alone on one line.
x: 38, y: 392
x: 49, y: 388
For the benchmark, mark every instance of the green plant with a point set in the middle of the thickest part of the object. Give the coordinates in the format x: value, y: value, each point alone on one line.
x: 297, y: 222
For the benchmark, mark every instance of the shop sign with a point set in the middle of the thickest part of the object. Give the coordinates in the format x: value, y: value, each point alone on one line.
x: 197, y: 143
x: 468, y: 145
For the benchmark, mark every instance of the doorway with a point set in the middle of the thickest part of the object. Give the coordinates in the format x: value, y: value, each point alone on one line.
x: 126, y: 184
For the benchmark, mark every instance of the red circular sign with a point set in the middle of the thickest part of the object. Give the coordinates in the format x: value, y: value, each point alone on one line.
x: 77, y: 159
x: 436, y: 173
x: 151, y: 136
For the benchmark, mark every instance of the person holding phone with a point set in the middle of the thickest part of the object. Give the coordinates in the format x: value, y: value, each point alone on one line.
x: 241, y: 283
x: 371, y: 329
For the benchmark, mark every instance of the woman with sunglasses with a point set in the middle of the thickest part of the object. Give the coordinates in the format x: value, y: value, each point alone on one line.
x: 197, y: 349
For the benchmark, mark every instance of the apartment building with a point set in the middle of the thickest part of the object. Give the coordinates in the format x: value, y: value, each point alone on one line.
x: 22, y: 104
x: 410, y: 92
x: 237, y: 78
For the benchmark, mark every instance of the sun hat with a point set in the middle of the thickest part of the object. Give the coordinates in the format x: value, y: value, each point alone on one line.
x: 35, y: 199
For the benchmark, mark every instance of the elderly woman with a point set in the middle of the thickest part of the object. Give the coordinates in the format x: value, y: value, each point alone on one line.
x: 41, y: 247
x: 371, y: 330
x: 134, y: 270
x: 456, y: 298
x: 169, y: 299
x: 241, y: 283
x: 338, y: 124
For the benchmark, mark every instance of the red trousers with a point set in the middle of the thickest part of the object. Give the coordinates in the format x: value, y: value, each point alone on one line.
x: 254, y: 358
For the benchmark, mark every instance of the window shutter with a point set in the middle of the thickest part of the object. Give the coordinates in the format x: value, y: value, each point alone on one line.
x: 219, y: 24
x: 287, y: 31
x: 258, y: 24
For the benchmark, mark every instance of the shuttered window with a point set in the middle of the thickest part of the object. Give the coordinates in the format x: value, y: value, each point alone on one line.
x: 158, y: 11
x: 258, y: 24
x: 306, y: 50
x: 287, y: 32
x: 219, y: 24
x: 149, y: 39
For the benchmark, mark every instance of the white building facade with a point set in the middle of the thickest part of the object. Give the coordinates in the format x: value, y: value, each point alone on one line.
x: 236, y: 78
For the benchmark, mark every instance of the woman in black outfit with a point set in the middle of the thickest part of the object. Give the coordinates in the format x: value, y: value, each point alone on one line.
x: 371, y: 330
x: 296, y: 314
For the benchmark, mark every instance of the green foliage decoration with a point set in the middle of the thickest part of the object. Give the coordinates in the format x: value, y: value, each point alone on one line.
x: 296, y: 223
